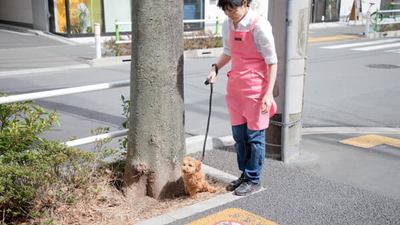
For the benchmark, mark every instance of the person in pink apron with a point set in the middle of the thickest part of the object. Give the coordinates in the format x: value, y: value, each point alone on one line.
x: 249, y: 45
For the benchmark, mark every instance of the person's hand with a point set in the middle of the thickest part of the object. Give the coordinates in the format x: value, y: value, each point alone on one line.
x: 212, y: 76
x: 267, y: 103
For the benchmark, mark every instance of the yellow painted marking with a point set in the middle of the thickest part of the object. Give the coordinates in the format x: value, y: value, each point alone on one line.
x: 330, y: 38
x: 368, y: 141
x: 232, y: 216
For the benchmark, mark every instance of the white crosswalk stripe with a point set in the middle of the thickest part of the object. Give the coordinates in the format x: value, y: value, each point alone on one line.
x: 359, y: 44
x: 377, y: 47
x: 394, y: 50
x: 390, y: 44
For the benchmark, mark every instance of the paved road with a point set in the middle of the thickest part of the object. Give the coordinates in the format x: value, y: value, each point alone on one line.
x: 332, y: 182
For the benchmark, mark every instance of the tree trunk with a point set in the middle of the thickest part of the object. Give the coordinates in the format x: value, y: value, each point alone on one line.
x: 156, y: 138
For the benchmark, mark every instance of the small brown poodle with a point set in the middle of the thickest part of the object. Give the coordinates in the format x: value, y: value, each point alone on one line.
x: 194, y: 177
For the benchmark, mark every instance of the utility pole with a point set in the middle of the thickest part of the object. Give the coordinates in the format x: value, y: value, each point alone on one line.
x: 289, y: 20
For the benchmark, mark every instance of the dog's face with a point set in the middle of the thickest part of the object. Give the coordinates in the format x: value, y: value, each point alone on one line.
x: 190, y: 165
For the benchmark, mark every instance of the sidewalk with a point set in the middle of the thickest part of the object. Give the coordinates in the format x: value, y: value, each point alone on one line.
x: 321, y: 187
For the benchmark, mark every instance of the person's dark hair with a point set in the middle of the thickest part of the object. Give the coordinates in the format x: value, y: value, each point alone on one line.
x: 223, y: 4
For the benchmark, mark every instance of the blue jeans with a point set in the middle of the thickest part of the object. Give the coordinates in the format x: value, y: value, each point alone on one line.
x: 250, y: 149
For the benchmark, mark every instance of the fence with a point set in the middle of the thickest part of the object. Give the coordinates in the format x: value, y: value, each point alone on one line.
x: 70, y: 91
x: 118, y: 36
x: 381, y: 19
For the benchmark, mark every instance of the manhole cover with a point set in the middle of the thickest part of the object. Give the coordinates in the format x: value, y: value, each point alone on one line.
x: 383, y: 66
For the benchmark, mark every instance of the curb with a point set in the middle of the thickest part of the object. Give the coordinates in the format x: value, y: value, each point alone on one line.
x: 109, y: 61
x: 203, y: 53
x: 347, y: 130
x: 195, y: 144
x: 395, y: 33
x: 193, y: 209
x: 192, y: 54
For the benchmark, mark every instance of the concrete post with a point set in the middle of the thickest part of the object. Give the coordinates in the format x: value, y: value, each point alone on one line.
x: 367, y: 23
x: 40, y: 15
x: 97, y: 40
x: 289, y: 20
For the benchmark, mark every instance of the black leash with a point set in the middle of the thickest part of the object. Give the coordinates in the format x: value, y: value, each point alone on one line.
x: 207, y: 82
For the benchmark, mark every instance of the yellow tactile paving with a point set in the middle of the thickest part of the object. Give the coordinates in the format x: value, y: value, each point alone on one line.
x: 368, y: 141
x: 232, y: 216
x: 330, y: 38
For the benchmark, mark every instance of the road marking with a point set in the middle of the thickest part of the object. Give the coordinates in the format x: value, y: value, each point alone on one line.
x: 368, y: 141
x: 44, y: 70
x: 394, y: 50
x: 377, y: 47
x: 359, y: 44
x: 330, y: 38
x: 232, y: 216
x: 349, y: 130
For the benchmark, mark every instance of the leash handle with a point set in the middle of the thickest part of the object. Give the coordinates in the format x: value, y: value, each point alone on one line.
x: 209, y: 111
x: 207, y: 82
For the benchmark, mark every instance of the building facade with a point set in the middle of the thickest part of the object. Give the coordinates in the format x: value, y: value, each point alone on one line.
x: 74, y: 18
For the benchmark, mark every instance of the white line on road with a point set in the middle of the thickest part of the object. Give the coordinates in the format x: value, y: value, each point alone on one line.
x: 359, y: 44
x: 370, y: 48
x: 43, y: 70
x: 394, y: 50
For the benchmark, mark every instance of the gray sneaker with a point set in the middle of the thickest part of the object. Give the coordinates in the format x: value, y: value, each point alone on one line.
x: 234, y: 184
x: 247, y: 188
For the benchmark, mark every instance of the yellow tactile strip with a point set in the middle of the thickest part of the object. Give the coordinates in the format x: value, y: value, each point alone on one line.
x: 368, y: 141
x: 330, y: 38
x: 232, y: 216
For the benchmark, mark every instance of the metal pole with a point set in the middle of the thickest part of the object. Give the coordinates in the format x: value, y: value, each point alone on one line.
x: 287, y: 82
x: 62, y: 92
x: 117, y: 38
x: 97, y: 40
x: 216, y: 26
x: 376, y: 20
x: 92, y: 139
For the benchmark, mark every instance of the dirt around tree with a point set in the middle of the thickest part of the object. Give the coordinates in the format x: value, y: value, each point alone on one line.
x: 109, y: 206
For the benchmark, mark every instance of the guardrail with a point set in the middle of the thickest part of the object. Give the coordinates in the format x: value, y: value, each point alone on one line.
x: 384, y: 20
x: 380, y: 19
x: 70, y: 91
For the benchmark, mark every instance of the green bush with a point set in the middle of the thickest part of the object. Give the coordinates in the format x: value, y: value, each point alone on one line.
x: 201, y: 40
x: 20, y: 123
x: 38, y: 177
x: 388, y: 27
x: 43, y: 177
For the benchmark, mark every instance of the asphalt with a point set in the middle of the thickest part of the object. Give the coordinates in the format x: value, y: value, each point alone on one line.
x: 332, y: 182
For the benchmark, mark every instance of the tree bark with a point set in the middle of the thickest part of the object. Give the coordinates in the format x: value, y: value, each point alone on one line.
x: 156, y: 138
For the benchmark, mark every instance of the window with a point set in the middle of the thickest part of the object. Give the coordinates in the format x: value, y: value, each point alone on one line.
x: 193, y: 10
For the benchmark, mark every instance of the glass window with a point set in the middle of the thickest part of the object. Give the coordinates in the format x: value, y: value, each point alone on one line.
x: 193, y: 10
x: 76, y: 16
x: 83, y: 14
x: 326, y: 10
x: 60, y: 16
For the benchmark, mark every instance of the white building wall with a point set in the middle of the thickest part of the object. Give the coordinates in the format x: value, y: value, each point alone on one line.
x: 212, y: 12
x: 261, y: 6
x: 19, y: 11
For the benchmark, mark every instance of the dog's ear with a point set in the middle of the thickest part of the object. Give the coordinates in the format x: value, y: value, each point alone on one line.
x: 198, y: 166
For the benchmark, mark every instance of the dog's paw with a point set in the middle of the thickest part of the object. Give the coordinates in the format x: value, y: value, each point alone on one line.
x: 212, y: 190
x: 193, y: 196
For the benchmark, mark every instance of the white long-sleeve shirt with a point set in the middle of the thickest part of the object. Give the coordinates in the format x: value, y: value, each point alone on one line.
x: 263, y: 37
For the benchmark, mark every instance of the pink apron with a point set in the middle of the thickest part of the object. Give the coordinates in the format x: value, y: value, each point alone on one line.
x: 247, y: 82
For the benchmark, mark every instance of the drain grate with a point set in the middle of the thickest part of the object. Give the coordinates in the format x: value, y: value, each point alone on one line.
x: 383, y: 66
